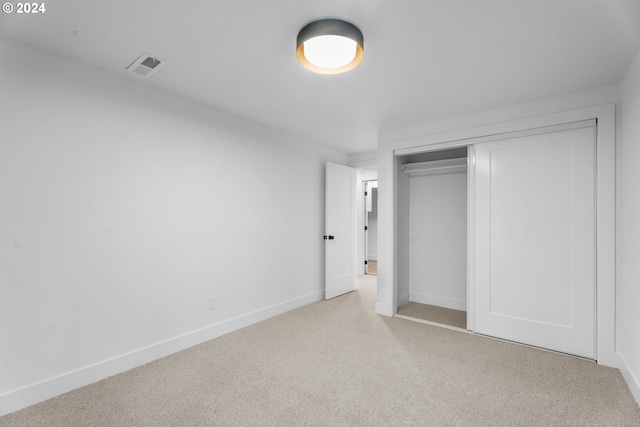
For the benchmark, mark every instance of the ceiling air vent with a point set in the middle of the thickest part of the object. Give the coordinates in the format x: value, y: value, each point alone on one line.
x: 146, y: 66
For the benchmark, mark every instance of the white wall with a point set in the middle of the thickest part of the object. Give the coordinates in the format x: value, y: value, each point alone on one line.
x: 629, y: 226
x: 123, y: 208
x: 367, y: 162
x: 438, y: 240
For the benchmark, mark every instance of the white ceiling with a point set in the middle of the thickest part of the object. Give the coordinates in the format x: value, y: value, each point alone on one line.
x: 424, y: 60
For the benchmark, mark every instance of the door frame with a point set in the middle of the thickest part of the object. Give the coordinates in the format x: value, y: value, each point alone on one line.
x: 368, y: 171
x: 389, y: 168
x: 365, y: 220
x: 368, y: 187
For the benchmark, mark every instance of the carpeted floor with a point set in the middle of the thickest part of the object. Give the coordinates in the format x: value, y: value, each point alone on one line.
x: 432, y: 313
x: 337, y: 363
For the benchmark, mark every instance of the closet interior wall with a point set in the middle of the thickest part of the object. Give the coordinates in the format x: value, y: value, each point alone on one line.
x: 432, y: 208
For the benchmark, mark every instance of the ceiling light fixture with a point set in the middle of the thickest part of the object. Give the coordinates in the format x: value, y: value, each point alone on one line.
x: 330, y: 46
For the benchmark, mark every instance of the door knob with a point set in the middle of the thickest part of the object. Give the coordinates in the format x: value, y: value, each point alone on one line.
x: 329, y: 237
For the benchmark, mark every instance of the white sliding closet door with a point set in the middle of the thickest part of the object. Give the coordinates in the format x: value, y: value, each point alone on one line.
x: 535, y: 240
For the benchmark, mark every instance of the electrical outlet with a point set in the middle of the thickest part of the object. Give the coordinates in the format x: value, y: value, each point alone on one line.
x: 213, y: 302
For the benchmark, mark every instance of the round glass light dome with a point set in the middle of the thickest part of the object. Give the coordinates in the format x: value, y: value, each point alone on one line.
x: 330, y: 46
x: 330, y: 51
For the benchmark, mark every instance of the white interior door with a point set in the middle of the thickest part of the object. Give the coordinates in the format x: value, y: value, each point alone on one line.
x: 340, y: 232
x: 535, y: 240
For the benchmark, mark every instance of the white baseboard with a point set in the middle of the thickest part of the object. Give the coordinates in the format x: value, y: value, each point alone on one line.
x: 31, y: 394
x: 632, y: 380
x: 454, y: 304
x: 372, y: 257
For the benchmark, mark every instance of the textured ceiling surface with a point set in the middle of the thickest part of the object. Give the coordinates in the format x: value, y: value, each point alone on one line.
x: 424, y: 60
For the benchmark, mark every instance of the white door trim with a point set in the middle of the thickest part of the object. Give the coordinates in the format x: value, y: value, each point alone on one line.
x: 605, y: 205
x: 471, y: 232
x: 365, y: 219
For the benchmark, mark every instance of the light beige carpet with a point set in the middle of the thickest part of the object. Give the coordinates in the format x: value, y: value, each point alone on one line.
x: 337, y: 363
x: 435, y: 314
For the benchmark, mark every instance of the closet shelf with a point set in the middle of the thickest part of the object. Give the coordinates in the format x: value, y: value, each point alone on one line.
x: 436, y: 167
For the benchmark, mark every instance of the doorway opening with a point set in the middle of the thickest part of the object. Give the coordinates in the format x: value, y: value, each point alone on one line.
x: 370, y: 227
x: 433, y: 206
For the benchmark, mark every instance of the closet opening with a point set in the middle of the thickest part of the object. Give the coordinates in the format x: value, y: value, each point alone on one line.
x: 432, y: 236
